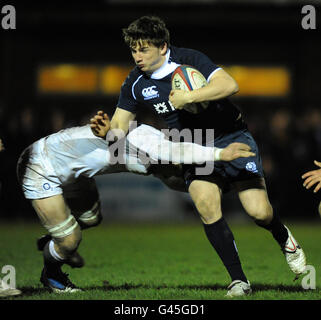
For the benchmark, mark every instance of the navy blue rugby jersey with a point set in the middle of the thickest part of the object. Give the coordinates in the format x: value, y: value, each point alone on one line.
x: 153, y: 91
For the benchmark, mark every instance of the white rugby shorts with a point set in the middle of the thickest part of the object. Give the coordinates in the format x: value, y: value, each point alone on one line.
x: 36, y: 175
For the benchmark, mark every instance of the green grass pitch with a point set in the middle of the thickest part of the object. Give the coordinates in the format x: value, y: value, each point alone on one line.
x: 162, y: 262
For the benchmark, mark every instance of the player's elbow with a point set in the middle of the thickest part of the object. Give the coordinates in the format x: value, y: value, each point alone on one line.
x: 236, y: 88
x: 233, y: 87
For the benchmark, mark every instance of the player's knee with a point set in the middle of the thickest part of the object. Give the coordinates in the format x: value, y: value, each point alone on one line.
x: 92, y: 217
x: 67, y: 235
x: 209, y: 211
x: 262, y: 211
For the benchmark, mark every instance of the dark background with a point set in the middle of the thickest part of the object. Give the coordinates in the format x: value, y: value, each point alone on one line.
x: 287, y: 130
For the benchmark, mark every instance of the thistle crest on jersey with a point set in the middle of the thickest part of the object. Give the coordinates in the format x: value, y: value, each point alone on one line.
x: 187, y: 78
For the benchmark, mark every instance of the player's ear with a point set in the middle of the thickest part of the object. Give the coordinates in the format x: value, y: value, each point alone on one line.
x: 163, y: 48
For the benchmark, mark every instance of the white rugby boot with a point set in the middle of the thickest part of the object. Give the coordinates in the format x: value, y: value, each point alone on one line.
x: 238, y: 288
x: 294, y: 254
x: 8, y: 292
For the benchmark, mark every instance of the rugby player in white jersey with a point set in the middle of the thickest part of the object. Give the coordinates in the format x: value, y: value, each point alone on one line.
x: 6, y: 291
x: 56, y: 174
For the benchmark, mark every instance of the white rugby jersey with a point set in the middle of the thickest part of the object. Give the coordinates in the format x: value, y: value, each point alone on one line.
x: 64, y: 156
x: 77, y: 151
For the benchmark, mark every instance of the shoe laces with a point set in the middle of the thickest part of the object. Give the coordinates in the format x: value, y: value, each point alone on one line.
x: 64, y: 278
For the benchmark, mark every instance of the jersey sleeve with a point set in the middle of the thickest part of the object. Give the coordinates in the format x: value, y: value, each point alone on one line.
x: 152, y: 142
x: 126, y: 98
x: 201, y: 62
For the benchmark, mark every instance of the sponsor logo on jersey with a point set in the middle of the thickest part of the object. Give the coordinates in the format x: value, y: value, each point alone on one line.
x: 251, y: 166
x: 161, y: 107
x: 150, y: 93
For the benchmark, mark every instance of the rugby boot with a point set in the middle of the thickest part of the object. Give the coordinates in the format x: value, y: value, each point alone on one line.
x: 57, y: 281
x: 294, y: 254
x: 238, y: 288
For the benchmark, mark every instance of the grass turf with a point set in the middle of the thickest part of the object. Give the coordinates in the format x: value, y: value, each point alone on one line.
x: 162, y: 262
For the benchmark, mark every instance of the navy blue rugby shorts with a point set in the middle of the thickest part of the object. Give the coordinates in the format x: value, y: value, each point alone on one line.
x: 225, y: 173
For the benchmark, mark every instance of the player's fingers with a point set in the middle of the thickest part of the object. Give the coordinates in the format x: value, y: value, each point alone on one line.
x: 309, y: 174
x: 317, y: 163
x: 246, y: 154
x: 243, y: 146
x: 106, y: 116
x: 311, y: 183
x: 242, y: 154
x: 307, y: 180
x: 94, y: 129
x: 317, y: 188
x: 100, y: 120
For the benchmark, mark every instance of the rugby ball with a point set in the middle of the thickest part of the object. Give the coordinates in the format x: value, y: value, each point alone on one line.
x: 187, y: 78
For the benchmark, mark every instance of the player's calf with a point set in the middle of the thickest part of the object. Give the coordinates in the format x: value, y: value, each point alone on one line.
x: 56, y: 252
x: 68, y: 245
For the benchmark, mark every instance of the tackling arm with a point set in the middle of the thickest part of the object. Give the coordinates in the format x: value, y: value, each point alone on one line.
x: 153, y: 142
x: 188, y: 153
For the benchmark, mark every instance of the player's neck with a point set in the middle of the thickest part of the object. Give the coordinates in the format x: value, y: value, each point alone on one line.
x: 164, y: 68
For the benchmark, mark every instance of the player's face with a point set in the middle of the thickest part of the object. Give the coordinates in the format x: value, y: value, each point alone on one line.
x: 148, y: 57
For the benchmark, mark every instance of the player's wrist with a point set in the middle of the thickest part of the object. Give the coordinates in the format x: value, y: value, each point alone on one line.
x: 190, y: 96
x: 217, y: 154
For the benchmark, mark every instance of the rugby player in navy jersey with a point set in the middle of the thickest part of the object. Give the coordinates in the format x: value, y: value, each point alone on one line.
x: 149, y: 85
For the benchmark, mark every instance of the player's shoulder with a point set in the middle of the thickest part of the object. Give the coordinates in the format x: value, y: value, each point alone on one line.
x: 183, y: 55
x: 134, y: 75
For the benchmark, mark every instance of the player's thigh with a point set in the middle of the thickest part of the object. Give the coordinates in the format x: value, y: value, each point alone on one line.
x: 52, y: 210
x: 174, y: 183
x: 81, y: 195
x: 55, y: 216
x: 82, y: 198
x: 254, y: 198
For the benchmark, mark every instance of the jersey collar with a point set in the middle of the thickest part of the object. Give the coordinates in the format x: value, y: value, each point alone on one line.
x: 167, y: 68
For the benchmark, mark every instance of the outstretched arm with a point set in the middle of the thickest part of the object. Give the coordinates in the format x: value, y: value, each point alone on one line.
x: 313, y: 177
x: 153, y: 142
x: 188, y: 153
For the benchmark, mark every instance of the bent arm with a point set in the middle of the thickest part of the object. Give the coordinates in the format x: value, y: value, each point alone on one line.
x: 120, y: 121
x: 221, y: 85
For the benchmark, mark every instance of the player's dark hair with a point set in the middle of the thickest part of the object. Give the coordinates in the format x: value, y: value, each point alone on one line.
x: 147, y: 28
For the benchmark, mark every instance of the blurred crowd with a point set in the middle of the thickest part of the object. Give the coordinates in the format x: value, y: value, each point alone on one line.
x: 288, y: 141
